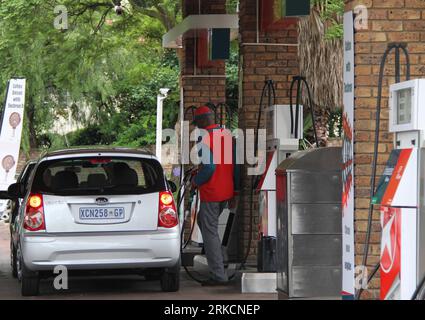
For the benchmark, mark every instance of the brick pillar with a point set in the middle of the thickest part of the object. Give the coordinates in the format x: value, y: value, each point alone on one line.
x: 260, y: 63
x: 201, y: 85
x: 389, y: 21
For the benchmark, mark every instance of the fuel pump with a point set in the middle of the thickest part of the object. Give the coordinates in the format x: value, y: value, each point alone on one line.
x: 282, y: 141
x: 376, y: 193
x: 285, y: 129
x: 401, y: 194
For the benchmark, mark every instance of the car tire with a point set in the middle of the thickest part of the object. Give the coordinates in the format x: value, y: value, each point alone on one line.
x: 30, y: 281
x: 30, y: 286
x: 170, y: 279
x: 13, y: 263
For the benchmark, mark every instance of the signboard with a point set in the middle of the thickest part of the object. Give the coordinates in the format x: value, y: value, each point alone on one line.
x: 219, y: 44
x: 11, y: 131
x: 348, y: 267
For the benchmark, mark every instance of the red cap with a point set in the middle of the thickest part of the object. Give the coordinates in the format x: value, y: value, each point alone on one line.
x: 203, y: 111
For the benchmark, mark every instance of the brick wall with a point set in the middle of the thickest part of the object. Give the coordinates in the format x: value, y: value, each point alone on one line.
x: 389, y: 21
x: 200, y: 85
x: 260, y: 63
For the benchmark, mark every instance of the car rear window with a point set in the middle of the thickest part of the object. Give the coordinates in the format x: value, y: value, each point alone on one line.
x: 99, y: 176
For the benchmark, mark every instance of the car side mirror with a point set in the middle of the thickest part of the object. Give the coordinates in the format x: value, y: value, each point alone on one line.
x: 173, y: 186
x: 16, y: 191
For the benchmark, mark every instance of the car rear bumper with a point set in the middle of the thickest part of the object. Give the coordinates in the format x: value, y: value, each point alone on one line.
x: 95, y: 251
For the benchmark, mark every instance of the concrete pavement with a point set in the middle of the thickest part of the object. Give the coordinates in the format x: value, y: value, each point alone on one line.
x: 125, y: 287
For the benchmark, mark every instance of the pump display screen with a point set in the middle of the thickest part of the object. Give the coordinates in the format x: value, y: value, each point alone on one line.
x: 404, y: 106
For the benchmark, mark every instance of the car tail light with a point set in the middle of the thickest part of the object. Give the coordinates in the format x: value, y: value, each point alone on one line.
x: 167, y: 215
x: 34, y: 213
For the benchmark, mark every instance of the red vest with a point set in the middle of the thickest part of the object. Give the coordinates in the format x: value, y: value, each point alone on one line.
x: 221, y: 185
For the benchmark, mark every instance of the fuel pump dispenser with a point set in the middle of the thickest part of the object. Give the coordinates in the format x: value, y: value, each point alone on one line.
x: 281, y: 143
x: 401, y: 194
x: 405, y: 121
x: 285, y: 129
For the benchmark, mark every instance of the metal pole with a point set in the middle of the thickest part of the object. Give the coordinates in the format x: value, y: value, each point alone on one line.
x: 159, y: 113
x: 159, y: 117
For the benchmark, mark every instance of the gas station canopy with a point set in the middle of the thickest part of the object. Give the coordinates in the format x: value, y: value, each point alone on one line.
x: 173, y: 39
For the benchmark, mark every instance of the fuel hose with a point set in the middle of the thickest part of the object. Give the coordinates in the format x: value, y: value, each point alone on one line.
x: 188, y: 180
x: 300, y: 81
x: 396, y: 47
x: 270, y: 93
x: 223, y: 115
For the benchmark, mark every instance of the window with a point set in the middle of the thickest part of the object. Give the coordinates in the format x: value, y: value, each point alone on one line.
x: 404, y: 106
x: 99, y: 176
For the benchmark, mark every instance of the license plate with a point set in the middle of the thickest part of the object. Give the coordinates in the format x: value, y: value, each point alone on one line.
x: 102, y: 213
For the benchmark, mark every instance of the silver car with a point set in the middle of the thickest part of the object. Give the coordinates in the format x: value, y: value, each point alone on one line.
x: 104, y: 210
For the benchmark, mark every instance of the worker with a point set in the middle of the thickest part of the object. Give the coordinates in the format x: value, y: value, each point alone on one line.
x: 217, y: 181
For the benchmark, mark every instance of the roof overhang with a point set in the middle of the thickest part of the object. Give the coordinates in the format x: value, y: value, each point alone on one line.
x: 173, y: 38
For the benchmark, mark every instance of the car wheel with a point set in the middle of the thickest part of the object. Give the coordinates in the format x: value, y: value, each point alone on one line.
x: 170, y: 279
x: 30, y: 286
x: 13, y: 262
x: 30, y: 281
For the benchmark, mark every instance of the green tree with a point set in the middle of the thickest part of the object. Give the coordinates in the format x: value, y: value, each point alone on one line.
x: 112, y: 63
x: 331, y: 12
